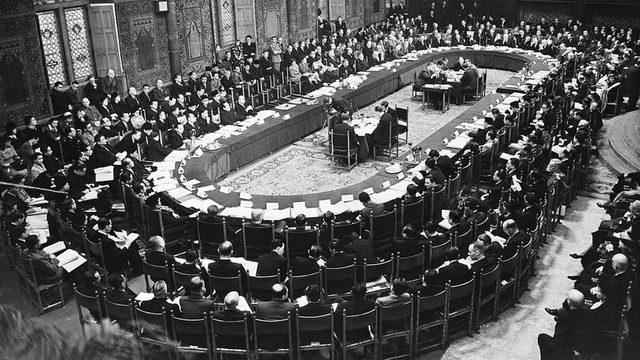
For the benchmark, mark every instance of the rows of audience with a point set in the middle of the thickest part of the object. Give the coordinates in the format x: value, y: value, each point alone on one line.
x: 555, y: 146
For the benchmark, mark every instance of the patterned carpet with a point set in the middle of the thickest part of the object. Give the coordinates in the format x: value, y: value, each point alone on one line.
x: 305, y: 167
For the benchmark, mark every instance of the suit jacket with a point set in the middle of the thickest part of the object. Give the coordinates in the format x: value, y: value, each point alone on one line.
x: 158, y: 258
x: 228, y: 117
x: 340, y: 260
x: 224, y: 267
x: 195, y: 306
x: 513, y: 242
x: 154, y: 151
x: 315, y: 309
x: 370, y: 210
x: 269, y: 264
x: 102, y: 156
x: 156, y: 305
x: 132, y: 104
x: 274, y: 309
x: 120, y: 296
x: 174, y: 139
x: 303, y: 266
x: 381, y: 133
x: 455, y: 272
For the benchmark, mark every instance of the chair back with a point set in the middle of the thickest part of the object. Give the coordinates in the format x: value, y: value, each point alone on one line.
x: 358, y: 324
x: 340, y: 142
x: 297, y: 283
x: 402, y: 114
x: 314, y: 329
x: 134, y: 206
x: 256, y: 239
x: 431, y: 303
x: 461, y: 291
x: 192, y: 332
x: 342, y: 229
x: 156, y: 272
x: 224, y: 284
x: 151, y: 325
x: 437, y: 252
x: 259, y: 287
x: 273, y: 336
x: 509, y: 266
x: 480, y: 227
x: 395, y: 317
x: 413, y: 213
x: 464, y: 240
x: 95, y: 250
x: 230, y: 336
x: 181, y: 279
x: 92, y: 302
x: 210, y: 235
x: 374, y: 271
x: 122, y: 313
x: 340, y: 280
x: 382, y: 232
x: 298, y: 241
x: 438, y: 202
x: 411, y: 267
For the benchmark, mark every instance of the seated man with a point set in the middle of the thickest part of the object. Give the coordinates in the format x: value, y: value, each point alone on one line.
x: 45, y: 266
x: 118, y: 292
x: 156, y: 254
x: 399, y: 293
x: 116, y: 259
x: 516, y: 238
x: 452, y: 269
x: 371, y: 209
x: 229, y: 339
x: 224, y: 267
x: 315, y: 303
x: 273, y: 262
x: 160, y: 301
x: 310, y: 264
x: 193, y: 303
x: 278, y: 307
x: 340, y: 133
x: 572, y: 331
x: 380, y: 135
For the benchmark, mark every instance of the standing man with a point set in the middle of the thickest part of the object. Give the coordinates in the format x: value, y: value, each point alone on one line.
x: 276, y: 53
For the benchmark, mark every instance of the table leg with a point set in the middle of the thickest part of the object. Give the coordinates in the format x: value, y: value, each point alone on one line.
x: 423, y: 98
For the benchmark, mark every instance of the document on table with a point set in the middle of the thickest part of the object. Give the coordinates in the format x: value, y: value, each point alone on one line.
x: 250, y: 266
x: 70, y: 260
x: 55, y: 248
x: 104, y: 174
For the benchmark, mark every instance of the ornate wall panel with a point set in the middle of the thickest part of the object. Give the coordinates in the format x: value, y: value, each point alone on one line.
x: 227, y: 22
x: 51, y: 47
x: 195, y: 32
x: 81, y: 59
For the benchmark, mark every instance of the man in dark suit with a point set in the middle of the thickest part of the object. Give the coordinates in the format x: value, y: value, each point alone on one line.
x: 175, y: 138
x: 242, y: 109
x: 118, y: 291
x: 144, y: 98
x: 129, y: 143
x: 194, y: 304
x: 102, y: 154
x: 156, y: 254
x: 109, y: 84
x: 571, y: 332
x: 227, y: 115
x: 154, y: 151
x: 380, y: 135
x: 444, y: 162
x: 116, y: 260
x: 452, y: 270
x: 301, y: 265
x: 516, y: 238
x: 230, y: 313
x: 341, y: 130
x: 371, y: 209
x: 339, y: 257
x: 159, y: 301
x: 273, y: 262
x: 224, y: 266
x: 315, y: 306
x: 278, y: 307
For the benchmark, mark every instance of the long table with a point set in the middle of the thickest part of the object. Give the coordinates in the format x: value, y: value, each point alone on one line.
x: 261, y: 140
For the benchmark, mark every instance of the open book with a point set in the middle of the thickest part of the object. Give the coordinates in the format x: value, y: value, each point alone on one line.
x: 70, y: 260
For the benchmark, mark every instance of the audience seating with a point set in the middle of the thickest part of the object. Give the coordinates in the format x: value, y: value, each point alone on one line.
x: 223, y: 284
x: 390, y: 148
x: 298, y: 283
x: 314, y: 333
x: 411, y: 267
x: 273, y: 337
x: 357, y: 331
x: 256, y: 239
x: 461, y: 303
x: 151, y: 327
x: 259, y: 287
x: 488, y: 286
x: 298, y: 241
x: 412, y: 213
x: 396, y: 322
x: 339, y: 281
x: 120, y: 313
x: 382, y: 232
x: 155, y: 273
x: 192, y: 335
x: 402, y: 113
x: 436, y: 254
x: 507, y: 289
x: 431, y: 314
x: 230, y: 337
x: 373, y: 271
x: 180, y: 279
x: 210, y: 235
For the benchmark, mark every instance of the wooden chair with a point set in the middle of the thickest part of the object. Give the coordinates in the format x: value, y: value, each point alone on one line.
x: 507, y: 289
x: 461, y: 303
x: 298, y: 241
x: 151, y: 327
x: 297, y: 283
x: 436, y: 254
x: 121, y: 313
x: 155, y: 273
x: 256, y: 239
x: 382, y: 232
x: 390, y: 148
x: 462, y: 241
x: 224, y: 284
x: 274, y: 337
x: 411, y: 267
x: 259, y: 287
x: 230, y: 337
x: 402, y: 112
x: 412, y: 213
x: 375, y: 270
x: 488, y: 285
x: 210, y: 236
x: 314, y: 333
x: 192, y: 335
x: 430, y: 314
x: 91, y: 302
x: 182, y: 280
x: 342, y: 229
x: 44, y: 296
x: 341, y: 150
x: 339, y: 281
x: 357, y: 331
x: 396, y: 321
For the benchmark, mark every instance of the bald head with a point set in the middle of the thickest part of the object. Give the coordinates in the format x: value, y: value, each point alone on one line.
x: 231, y: 300
x: 156, y: 243
x: 225, y: 249
x: 620, y: 263
x: 575, y: 299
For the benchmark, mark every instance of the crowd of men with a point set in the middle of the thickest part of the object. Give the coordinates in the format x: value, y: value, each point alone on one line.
x: 147, y: 125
